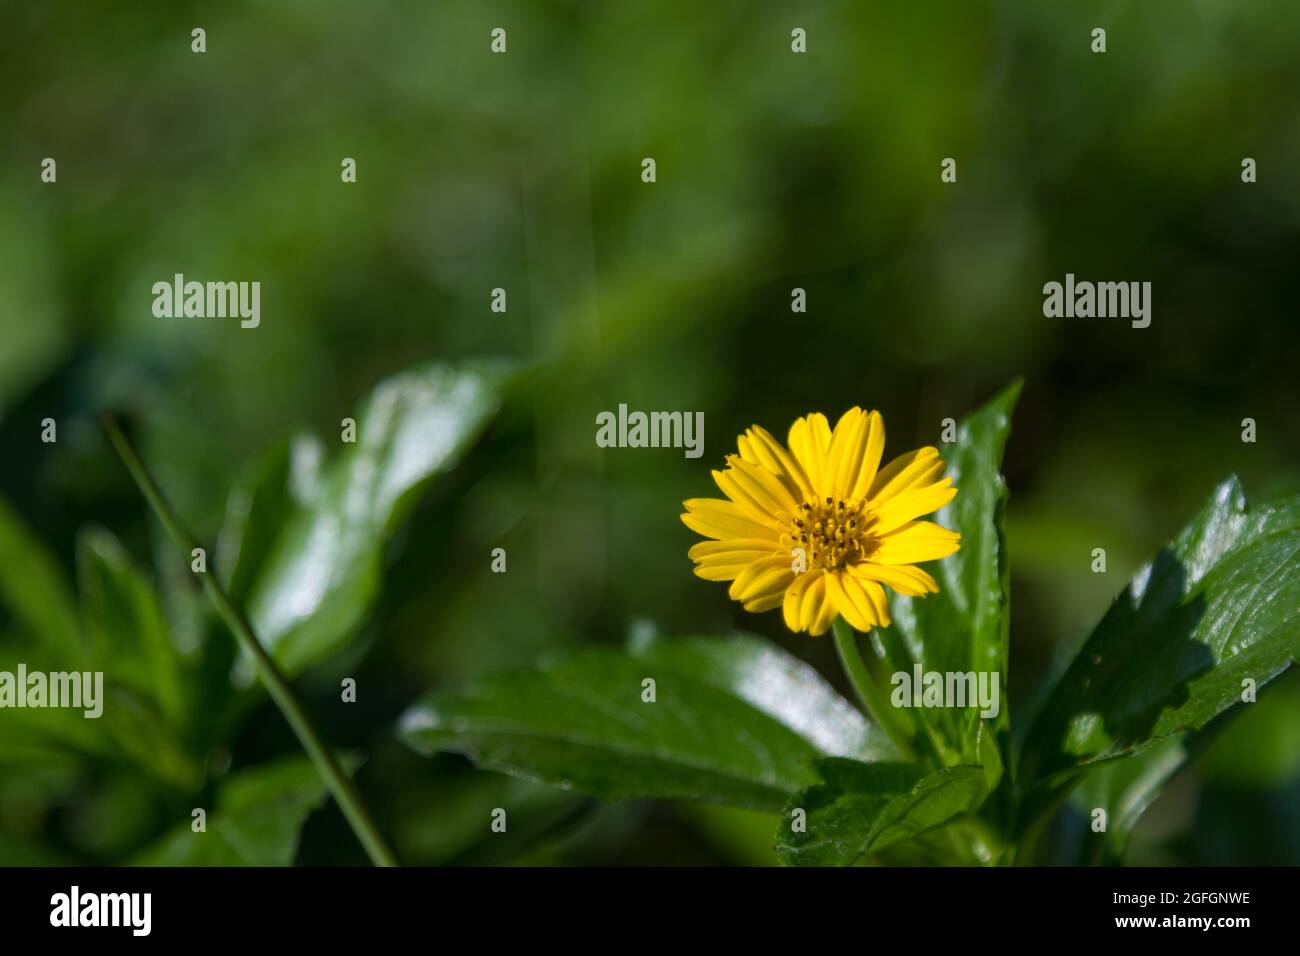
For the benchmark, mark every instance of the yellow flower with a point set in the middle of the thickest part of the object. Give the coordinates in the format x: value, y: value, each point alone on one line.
x: 818, y: 529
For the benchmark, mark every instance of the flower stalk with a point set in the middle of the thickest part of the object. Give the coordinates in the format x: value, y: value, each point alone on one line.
x: 869, y: 693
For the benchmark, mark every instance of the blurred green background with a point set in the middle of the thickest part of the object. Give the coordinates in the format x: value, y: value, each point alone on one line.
x: 522, y: 171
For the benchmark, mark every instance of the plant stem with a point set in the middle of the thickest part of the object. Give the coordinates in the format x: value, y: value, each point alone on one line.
x: 873, y: 699
x: 327, y: 765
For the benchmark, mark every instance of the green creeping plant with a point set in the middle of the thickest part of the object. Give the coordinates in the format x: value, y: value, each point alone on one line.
x: 736, y: 720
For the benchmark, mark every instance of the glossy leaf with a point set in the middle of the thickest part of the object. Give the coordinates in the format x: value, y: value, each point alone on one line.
x: 1219, y: 606
x: 859, y: 809
x: 776, y: 683
x: 964, y: 627
x: 318, y: 578
x: 732, y: 721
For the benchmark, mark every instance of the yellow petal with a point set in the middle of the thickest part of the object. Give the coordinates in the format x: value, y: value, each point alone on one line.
x: 767, y: 602
x: 813, y: 598
x: 761, y: 579
x: 819, y: 608
x: 914, y: 469
x: 868, y: 595
x: 856, y: 445
x: 793, y: 602
x: 738, y: 492
x: 854, y: 455
x: 859, y: 613
x: 715, y: 518
x: 727, y: 559
x: 721, y: 572
x: 894, y: 512
x: 708, y: 550
x: 902, y: 578
x: 763, y: 486
x: 873, y: 446
x: 845, y: 452
x: 810, y: 441
x: 760, y: 447
x: 915, y: 542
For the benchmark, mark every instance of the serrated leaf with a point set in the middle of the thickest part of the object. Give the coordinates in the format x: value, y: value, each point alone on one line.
x: 859, y: 809
x: 1220, y: 605
x: 320, y: 576
x: 726, y: 724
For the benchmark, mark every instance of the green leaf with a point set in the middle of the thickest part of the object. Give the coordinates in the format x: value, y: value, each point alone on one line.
x: 253, y: 520
x: 46, y: 733
x: 122, y: 634
x: 776, y: 683
x: 964, y: 627
x: 1218, y: 606
x: 859, y: 809
x: 733, y: 721
x: 1244, y: 747
x: 125, y: 624
x: 1260, y: 749
x: 35, y: 590
x: 256, y: 822
x: 128, y: 639
x: 440, y: 818
x: 43, y: 634
x: 321, y: 574
x: 740, y: 836
x: 1124, y: 788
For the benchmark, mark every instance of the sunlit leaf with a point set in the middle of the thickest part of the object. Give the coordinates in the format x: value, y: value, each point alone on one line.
x: 731, y: 721
x: 319, y: 577
x: 1218, y: 608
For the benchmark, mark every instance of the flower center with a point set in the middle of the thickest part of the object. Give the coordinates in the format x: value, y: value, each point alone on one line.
x: 832, y: 532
